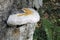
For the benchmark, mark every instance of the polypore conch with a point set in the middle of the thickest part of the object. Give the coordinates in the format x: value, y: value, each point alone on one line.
x: 29, y: 16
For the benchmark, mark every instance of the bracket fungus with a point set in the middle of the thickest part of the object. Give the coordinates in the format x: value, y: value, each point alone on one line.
x: 29, y: 16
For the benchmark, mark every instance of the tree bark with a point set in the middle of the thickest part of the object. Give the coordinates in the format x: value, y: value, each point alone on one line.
x: 5, y: 7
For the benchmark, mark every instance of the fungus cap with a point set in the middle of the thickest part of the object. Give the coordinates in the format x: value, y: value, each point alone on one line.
x: 29, y: 16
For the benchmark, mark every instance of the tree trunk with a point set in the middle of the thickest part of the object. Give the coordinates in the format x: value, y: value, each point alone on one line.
x: 5, y: 7
x: 11, y: 32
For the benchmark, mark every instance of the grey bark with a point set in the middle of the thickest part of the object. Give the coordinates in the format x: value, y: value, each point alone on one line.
x: 11, y: 32
x: 5, y: 7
